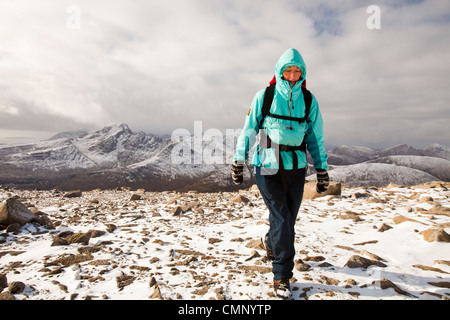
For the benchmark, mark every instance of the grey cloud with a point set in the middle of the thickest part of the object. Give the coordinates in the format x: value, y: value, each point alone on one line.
x: 158, y: 66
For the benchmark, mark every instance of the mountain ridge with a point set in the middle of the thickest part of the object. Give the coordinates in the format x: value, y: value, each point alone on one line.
x: 115, y: 156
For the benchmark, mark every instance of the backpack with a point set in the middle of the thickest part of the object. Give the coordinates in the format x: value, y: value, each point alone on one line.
x: 267, y: 103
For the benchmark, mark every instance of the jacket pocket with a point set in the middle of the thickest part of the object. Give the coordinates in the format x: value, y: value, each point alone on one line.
x: 270, y: 158
x: 286, y: 132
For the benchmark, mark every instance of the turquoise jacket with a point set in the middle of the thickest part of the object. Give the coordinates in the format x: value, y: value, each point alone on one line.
x: 287, y: 101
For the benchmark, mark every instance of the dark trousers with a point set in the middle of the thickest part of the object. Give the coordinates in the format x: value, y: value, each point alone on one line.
x: 283, y: 208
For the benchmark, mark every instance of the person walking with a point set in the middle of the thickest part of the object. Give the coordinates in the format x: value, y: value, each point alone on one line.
x: 288, y: 120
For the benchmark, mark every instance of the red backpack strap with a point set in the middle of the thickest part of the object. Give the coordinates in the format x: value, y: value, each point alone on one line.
x: 273, y: 81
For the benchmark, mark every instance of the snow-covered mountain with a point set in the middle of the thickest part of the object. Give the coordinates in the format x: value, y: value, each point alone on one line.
x: 345, y: 155
x: 437, y: 167
x: 379, y: 174
x: 115, y: 156
x: 401, y: 164
x: 439, y: 151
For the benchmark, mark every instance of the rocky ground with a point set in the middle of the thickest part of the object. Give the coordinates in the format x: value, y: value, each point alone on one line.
x: 367, y: 243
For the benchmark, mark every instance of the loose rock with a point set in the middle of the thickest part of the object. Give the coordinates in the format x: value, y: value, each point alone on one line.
x: 310, y: 191
x: 356, y: 261
x: 13, y: 211
x: 73, y: 194
x: 434, y: 234
x: 16, y: 287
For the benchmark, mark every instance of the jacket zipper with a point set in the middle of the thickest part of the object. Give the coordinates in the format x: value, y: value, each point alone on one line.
x: 290, y: 101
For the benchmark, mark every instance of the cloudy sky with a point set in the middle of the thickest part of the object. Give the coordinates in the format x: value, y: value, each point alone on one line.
x: 161, y: 65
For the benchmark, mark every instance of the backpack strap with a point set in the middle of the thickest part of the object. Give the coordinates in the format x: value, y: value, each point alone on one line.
x: 267, y: 103
x: 308, y: 100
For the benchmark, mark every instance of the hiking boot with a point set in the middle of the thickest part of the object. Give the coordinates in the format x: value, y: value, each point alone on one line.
x: 282, y: 288
x: 269, y: 253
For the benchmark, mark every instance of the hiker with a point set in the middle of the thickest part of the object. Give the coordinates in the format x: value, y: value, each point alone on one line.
x: 289, y: 122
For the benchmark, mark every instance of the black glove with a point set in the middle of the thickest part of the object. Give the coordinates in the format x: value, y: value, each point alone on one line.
x: 323, y: 180
x: 237, y: 172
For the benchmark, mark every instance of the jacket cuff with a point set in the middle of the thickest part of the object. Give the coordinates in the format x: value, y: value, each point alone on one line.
x: 239, y: 158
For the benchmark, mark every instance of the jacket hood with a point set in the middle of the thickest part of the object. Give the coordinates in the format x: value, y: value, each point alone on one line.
x: 290, y: 57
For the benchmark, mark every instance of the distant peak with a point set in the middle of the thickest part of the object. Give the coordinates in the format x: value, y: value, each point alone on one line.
x: 119, y: 125
x: 436, y: 145
x: 122, y: 127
